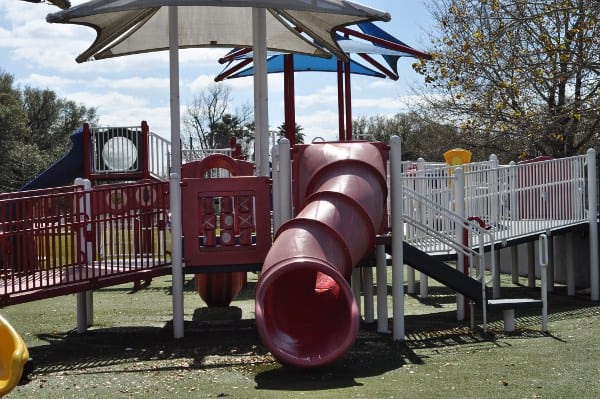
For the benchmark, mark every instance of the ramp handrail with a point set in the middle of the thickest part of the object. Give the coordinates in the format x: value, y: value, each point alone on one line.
x: 427, y: 218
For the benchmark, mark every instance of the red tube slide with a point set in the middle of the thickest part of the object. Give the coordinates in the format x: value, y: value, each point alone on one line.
x: 306, y: 314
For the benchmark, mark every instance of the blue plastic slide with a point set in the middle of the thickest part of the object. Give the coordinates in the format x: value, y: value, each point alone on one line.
x: 65, y: 170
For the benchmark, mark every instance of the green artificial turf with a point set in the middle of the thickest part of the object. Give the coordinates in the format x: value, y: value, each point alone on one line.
x: 130, y: 352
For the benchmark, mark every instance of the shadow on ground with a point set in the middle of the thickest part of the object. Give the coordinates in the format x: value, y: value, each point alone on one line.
x: 142, y: 349
x: 237, y: 345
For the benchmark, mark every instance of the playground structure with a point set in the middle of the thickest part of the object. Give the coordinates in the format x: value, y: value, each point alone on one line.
x: 330, y: 213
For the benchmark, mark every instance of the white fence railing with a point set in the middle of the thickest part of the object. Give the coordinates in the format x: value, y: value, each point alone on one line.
x: 515, y: 200
x: 198, y: 154
x: 159, y: 156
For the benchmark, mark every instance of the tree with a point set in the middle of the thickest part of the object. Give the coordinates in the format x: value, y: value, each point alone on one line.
x: 51, y: 120
x: 420, y: 138
x: 209, y: 123
x: 298, y: 135
x: 35, y: 126
x: 520, y: 77
x: 13, y: 129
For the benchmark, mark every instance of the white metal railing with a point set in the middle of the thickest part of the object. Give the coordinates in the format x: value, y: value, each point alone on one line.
x: 197, y: 154
x: 159, y: 156
x: 515, y: 200
x: 201, y: 153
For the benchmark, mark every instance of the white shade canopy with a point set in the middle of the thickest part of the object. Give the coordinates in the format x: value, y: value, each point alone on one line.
x: 137, y: 26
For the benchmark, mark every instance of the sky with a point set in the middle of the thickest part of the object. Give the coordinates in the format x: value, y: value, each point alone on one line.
x: 127, y: 90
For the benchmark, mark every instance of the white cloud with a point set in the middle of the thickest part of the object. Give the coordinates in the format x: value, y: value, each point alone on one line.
x: 246, y: 83
x: 135, y: 83
x: 380, y: 103
x: 111, y: 100
x: 52, y: 82
x: 385, y: 84
x: 320, y: 123
x: 325, y: 96
x: 201, y: 83
x: 201, y: 57
x: 20, y: 12
x: 117, y: 109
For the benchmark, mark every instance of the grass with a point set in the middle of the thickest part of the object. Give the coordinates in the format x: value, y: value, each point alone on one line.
x: 130, y: 352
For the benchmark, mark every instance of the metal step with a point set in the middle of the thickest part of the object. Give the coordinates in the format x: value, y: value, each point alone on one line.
x: 514, y: 303
x: 508, y: 307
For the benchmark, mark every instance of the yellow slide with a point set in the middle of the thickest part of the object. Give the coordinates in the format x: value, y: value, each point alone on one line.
x: 13, y: 357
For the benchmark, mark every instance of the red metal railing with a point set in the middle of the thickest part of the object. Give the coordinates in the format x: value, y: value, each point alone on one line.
x: 69, y: 239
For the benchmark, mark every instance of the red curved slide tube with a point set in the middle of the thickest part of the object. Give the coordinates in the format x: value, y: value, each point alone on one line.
x: 306, y: 314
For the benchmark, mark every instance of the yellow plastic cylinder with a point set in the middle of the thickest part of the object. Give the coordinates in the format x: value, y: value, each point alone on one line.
x: 457, y: 156
x: 13, y: 356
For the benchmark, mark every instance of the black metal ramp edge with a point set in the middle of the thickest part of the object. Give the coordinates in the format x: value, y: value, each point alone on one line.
x: 441, y: 272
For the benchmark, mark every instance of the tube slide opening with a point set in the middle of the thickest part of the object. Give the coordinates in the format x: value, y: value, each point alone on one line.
x: 313, y: 318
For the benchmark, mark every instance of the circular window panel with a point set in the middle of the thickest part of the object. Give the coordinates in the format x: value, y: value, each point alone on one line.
x: 119, y: 154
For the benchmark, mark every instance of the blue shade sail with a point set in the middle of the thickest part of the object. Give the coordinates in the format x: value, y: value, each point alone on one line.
x: 303, y: 63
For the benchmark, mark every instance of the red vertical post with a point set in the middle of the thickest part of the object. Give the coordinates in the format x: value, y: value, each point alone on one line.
x: 137, y: 237
x: 348, y: 100
x: 289, y: 98
x: 232, y: 146
x: 145, y: 148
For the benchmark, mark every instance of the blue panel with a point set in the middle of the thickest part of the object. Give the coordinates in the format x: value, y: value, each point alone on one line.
x: 304, y: 63
x: 371, y: 29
